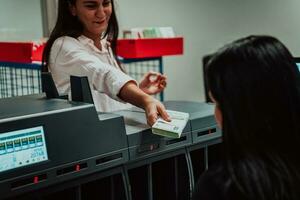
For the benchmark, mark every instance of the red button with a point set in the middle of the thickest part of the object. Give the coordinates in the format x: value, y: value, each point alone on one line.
x: 35, y: 179
x: 77, y: 168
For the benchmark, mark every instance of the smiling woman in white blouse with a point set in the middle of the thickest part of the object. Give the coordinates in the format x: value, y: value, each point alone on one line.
x: 83, y: 43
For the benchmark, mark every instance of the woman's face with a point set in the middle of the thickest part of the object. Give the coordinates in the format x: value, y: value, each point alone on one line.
x: 94, y: 15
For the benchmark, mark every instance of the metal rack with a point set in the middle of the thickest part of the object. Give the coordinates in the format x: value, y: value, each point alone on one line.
x: 18, y: 79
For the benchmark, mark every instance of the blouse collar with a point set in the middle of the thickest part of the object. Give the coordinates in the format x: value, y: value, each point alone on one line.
x: 90, y: 43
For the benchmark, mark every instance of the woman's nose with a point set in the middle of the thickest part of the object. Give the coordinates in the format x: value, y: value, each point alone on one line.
x: 100, y: 11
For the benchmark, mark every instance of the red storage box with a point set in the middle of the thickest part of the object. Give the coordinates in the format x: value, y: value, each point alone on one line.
x: 149, y: 47
x: 22, y: 52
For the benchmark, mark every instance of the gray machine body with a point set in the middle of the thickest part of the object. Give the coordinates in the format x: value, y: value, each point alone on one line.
x: 81, y: 141
x: 76, y: 139
x: 142, y: 143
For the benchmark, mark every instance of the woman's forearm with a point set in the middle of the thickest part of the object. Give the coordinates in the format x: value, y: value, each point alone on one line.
x: 131, y: 93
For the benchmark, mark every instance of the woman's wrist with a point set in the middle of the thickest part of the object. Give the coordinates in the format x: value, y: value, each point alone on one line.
x: 141, y: 88
x: 146, y: 100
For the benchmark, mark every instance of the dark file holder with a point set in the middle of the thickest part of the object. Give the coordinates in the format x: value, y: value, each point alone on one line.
x: 48, y: 86
x: 80, y: 89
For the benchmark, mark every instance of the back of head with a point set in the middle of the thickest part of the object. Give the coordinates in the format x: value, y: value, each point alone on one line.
x: 255, y: 83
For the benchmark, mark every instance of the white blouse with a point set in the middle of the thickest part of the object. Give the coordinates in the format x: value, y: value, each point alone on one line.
x: 80, y: 57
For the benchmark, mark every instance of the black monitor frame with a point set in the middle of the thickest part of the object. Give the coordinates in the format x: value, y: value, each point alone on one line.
x: 205, y: 60
x: 297, y: 59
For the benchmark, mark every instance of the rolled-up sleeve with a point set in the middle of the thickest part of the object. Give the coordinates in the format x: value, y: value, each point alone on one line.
x: 72, y: 59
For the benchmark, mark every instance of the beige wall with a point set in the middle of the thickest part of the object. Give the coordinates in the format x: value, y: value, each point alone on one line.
x: 206, y: 25
x: 20, y: 20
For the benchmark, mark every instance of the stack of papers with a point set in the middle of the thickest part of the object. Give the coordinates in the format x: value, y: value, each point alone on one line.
x: 149, y: 32
x: 171, y: 129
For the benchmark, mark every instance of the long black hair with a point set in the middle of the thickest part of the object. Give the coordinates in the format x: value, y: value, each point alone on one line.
x: 255, y: 83
x: 69, y: 25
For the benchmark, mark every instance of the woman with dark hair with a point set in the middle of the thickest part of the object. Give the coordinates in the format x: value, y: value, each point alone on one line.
x: 254, y: 84
x: 83, y: 43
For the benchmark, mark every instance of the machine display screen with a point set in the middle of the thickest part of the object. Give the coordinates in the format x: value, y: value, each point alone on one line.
x: 298, y: 64
x: 22, y: 147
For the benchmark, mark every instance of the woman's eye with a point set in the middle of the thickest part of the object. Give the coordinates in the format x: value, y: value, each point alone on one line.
x: 106, y: 3
x: 90, y: 6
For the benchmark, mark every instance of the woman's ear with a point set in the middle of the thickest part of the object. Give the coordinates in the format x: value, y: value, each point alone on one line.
x: 218, y: 115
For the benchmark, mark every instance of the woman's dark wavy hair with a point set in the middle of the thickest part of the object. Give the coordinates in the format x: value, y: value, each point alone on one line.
x: 69, y: 25
x: 255, y: 83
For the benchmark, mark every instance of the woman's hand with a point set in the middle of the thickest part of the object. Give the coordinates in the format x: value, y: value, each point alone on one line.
x: 153, y: 83
x: 153, y: 109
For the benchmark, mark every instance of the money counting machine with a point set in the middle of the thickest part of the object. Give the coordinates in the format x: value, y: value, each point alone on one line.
x: 43, y: 142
